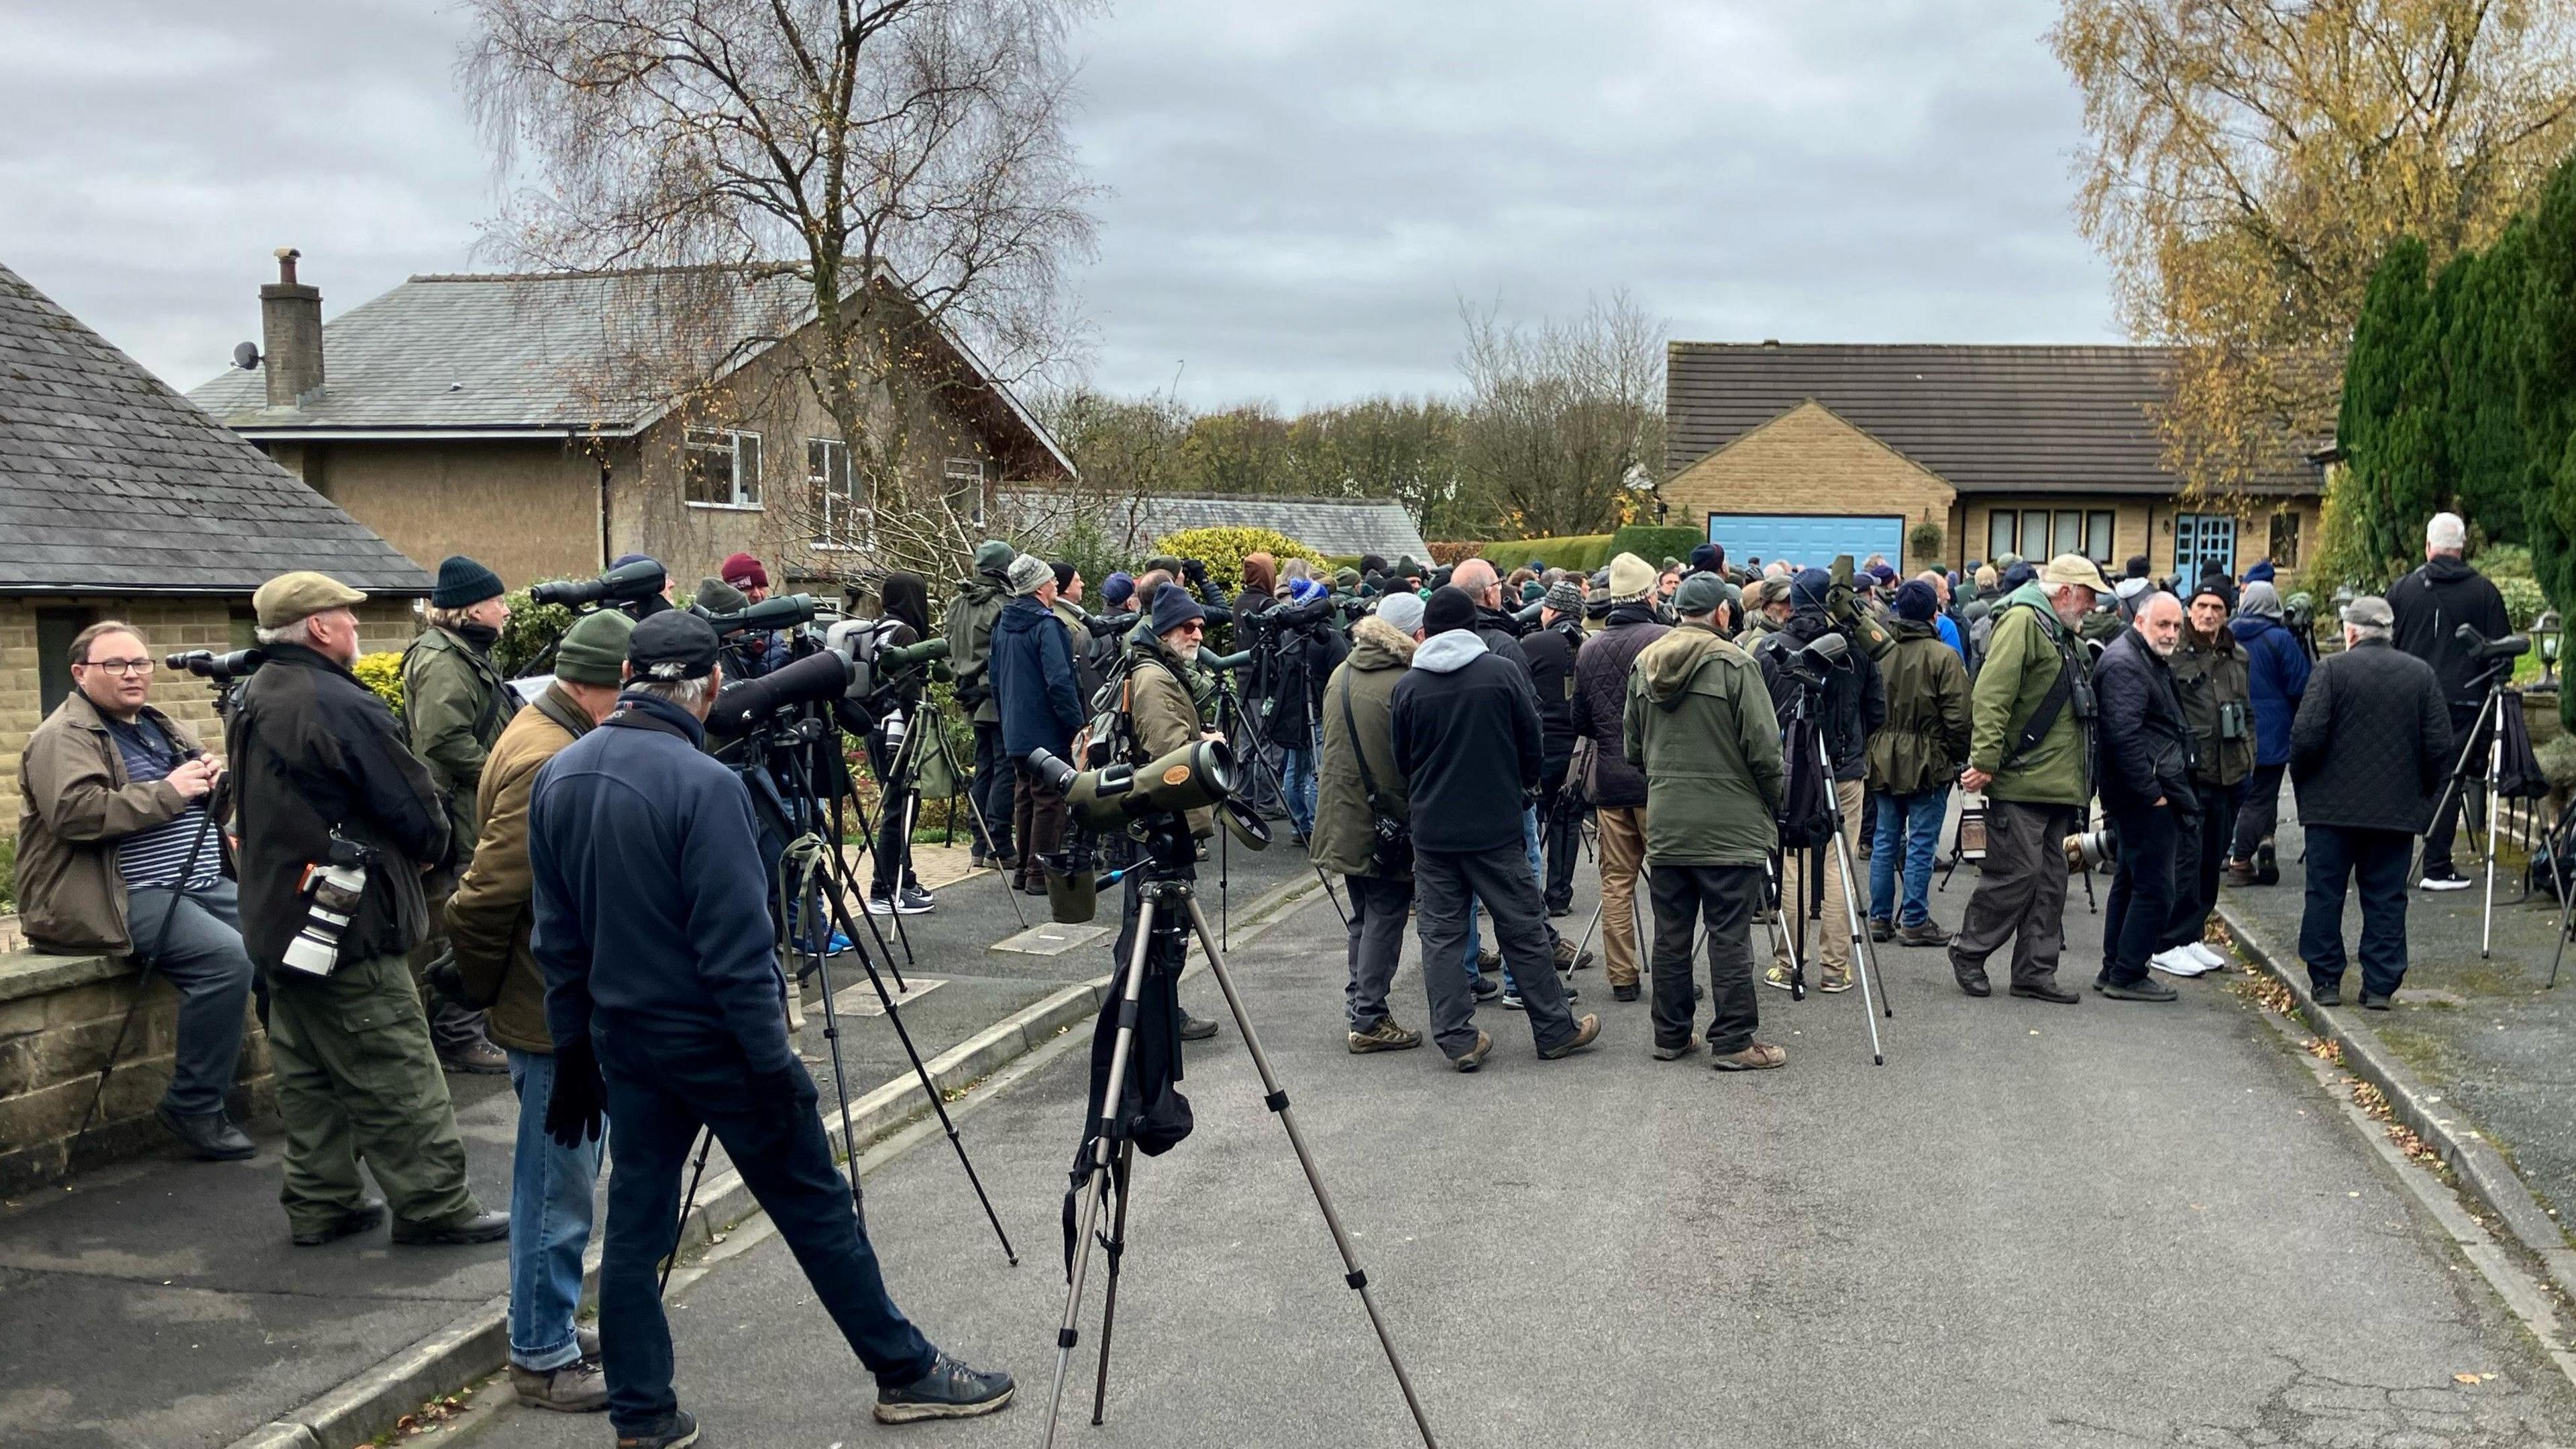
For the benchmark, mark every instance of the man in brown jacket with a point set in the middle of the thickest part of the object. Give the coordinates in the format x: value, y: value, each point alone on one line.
x: 553, y: 1365
x: 116, y: 855
x: 1162, y: 717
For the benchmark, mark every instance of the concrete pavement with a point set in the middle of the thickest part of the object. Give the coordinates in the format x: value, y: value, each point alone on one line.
x: 2109, y: 1224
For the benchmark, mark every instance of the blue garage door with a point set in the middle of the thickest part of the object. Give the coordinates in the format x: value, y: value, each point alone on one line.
x: 1809, y: 540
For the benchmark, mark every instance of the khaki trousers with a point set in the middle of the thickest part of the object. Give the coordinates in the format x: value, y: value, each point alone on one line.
x: 1623, y: 851
x: 1829, y: 935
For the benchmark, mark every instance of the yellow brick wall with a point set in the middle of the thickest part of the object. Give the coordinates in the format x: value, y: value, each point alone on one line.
x: 168, y: 625
x: 1807, y: 460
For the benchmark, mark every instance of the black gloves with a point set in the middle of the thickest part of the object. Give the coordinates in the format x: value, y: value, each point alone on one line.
x: 1195, y: 570
x: 573, y: 1109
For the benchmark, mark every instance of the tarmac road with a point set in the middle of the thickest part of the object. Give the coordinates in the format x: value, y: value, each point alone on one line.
x: 2110, y: 1224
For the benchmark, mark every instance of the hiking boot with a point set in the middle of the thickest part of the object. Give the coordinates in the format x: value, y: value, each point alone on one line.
x: 1386, y: 1036
x: 1195, y: 1028
x: 1489, y: 962
x: 912, y: 900
x: 475, y: 1058
x: 1485, y: 987
x: 1587, y: 1029
x: 2145, y: 988
x: 210, y: 1136
x: 1474, y: 1056
x: 1925, y: 933
x: 1570, y: 959
x: 1837, y: 978
x: 1881, y: 930
x: 578, y: 1387
x: 677, y: 1429
x: 1623, y: 991
x: 455, y: 1232
x: 950, y: 1390
x: 2238, y: 873
x: 2373, y: 1001
x: 1676, y: 1053
x: 2045, y: 990
x: 1761, y: 1056
x: 364, y: 1218
x: 2327, y: 995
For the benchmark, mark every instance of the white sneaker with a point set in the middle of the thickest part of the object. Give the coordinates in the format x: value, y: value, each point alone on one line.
x: 2447, y: 881
x: 2176, y: 962
x: 2207, y: 955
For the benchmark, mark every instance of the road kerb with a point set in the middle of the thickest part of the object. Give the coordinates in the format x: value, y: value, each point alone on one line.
x: 2479, y: 1165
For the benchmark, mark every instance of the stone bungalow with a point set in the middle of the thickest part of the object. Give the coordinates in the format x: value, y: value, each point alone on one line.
x: 1804, y: 451
x: 121, y: 499
x: 546, y: 423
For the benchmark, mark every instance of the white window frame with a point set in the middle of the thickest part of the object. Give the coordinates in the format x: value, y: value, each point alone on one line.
x: 745, y: 498
x: 968, y: 471
x: 841, y: 522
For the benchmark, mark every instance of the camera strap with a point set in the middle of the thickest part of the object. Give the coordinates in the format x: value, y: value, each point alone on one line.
x: 1359, y: 756
x: 2051, y: 705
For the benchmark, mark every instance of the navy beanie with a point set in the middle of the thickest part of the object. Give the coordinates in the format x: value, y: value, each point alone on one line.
x: 1449, y: 608
x: 463, y: 583
x: 1916, y: 600
x: 1708, y: 558
x: 1173, y: 607
x: 1809, y: 589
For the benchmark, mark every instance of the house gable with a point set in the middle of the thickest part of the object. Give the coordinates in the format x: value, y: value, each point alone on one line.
x: 1808, y: 459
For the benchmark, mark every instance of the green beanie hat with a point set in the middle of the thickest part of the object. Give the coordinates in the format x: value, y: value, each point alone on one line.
x: 593, y: 648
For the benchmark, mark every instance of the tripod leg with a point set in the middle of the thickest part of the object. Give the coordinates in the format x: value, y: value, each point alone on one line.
x: 838, y: 868
x: 1862, y: 963
x: 981, y: 824
x: 929, y: 1088
x: 688, y: 1204
x: 1277, y: 1100
x: 1282, y: 790
x: 1123, y: 1046
x: 1117, y: 1251
x: 2495, y: 772
x: 832, y: 1039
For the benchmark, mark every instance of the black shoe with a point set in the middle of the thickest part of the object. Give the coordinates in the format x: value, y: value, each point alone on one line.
x: 1972, y: 979
x: 1486, y: 987
x: 1626, y: 991
x: 2372, y: 1001
x: 457, y: 1232
x: 1195, y: 1028
x: 1556, y: 912
x: 912, y: 900
x: 2443, y: 878
x: 364, y: 1218
x: 2145, y: 988
x: 1034, y: 886
x: 2051, y: 991
x: 210, y: 1135
x: 675, y: 1430
x: 2327, y: 995
x: 2267, y: 865
x: 950, y: 1390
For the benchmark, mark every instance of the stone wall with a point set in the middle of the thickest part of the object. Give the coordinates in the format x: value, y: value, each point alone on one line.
x: 59, y: 1015
x: 1808, y: 460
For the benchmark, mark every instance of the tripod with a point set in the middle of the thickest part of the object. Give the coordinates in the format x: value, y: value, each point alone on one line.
x: 1230, y: 717
x: 2490, y: 720
x: 1802, y: 717
x: 930, y: 724
x: 1168, y: 916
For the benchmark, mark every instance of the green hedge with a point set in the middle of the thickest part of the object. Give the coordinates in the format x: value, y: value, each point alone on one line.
x: 1654, y: 543
x: 1585, y: 551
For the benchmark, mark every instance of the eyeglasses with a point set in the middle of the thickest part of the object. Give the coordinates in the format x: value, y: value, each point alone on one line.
x: 122, y: 666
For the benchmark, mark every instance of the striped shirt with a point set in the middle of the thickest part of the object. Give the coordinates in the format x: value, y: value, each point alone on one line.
x: 157, y: 856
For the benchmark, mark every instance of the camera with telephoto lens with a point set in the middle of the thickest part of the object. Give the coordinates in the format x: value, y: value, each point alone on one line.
x: 626, y: 584
x: 332, y: 890
x: 215, y: 668
x: 2091, y: 849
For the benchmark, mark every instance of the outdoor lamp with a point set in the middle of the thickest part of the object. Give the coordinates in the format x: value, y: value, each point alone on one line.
x: 2546, y: 632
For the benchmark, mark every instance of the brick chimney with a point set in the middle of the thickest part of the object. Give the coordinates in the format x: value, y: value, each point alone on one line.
x: 290, y: 324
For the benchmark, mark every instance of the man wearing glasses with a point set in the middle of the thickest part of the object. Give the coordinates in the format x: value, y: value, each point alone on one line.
x: 115, y: 856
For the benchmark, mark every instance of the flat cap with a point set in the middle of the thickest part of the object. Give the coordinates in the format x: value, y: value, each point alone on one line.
x: 672, y: 646
x: 300, y: 595
x: 2371, y: 612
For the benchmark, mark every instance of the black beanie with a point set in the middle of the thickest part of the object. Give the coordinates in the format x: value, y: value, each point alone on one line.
x: 1449, y: 608
x: 463, y: 583
x: 1064, y: 573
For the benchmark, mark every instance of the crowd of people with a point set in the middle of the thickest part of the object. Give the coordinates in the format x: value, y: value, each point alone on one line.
x: 578, y: 892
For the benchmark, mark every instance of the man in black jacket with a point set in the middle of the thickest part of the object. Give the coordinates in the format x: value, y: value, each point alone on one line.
x: 1467, y: 739
x: 2429, y: 606
x: 2368, y: 750
x: 325, y: 778
x: 2145, y: 774
x: 1617, y: 788
x: 1855, y: 707
x: 1550, y: 651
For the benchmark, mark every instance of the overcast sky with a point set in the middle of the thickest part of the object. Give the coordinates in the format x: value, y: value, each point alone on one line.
x: 1299, y: 191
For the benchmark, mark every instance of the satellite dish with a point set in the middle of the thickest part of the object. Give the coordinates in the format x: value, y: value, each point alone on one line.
x: 246, y: 356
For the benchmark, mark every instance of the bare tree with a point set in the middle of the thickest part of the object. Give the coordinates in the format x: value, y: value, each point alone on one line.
x: 1564, y: 419
x: 893, y: 172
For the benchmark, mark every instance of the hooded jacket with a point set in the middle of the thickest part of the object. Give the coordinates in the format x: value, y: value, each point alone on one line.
x: 970, y: 642
x: 489, y: 917
x: 1032, y: 672
x: 1344, y: 839
x: 1923, y: 742
x: 2277, y: 675
x: 1697, y: 720
x: 2208, y: 677
x: 1600, y: 705
x: 2145, y: 745
x: 1467, y: 738
x: 2431, y: 604
x: 2021, y: 666
x: 455, y: 703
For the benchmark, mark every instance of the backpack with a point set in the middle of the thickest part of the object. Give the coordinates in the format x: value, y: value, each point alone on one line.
x: 1806, y: 791
x: 858, y: 641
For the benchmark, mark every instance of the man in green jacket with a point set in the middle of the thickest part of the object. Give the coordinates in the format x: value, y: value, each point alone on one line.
x: 1913, y: 757
x: 2214, y: 679
x: 980, y: 597
x: 553, y: 1364
x: 2031, y: 753
x: 1699, y: 722
x: 455, y: 702
x: 1358, y: 783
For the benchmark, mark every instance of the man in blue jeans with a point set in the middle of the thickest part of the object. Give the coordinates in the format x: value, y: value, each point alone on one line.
x: 115, y: 855
x: 1912, y: 760
x: 668, y: 1013
x: 554, y: 1364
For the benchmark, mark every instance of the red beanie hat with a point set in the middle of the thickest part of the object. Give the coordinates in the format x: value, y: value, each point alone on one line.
x: 743, y: 569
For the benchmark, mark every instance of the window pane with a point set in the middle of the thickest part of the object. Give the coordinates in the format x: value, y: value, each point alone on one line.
x: 746, y: 468
x: 2285, y: 540
x: 2034, y: 534
x: 2070, y: 532
x: 2099, y: 530
x: 704, y: 462
x: 1999, y: 534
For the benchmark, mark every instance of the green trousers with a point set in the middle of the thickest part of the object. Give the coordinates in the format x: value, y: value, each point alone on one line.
x: 357, y: 1078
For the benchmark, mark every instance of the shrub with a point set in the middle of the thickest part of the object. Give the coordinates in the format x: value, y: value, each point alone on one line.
x: 1453, y: 551
x: 1581, y: 551
x: 2523, y: 600
x: 532, y: 629
x: 1925, y: 540
x: 1654, y: 543
x: 1224, y: 550
x: 382, y: 672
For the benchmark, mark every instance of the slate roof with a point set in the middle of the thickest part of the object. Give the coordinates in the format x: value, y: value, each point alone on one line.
x: 1987, y: 419
x: 549, y: 352
x: 112, y: 483
x: 1328, y: 525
